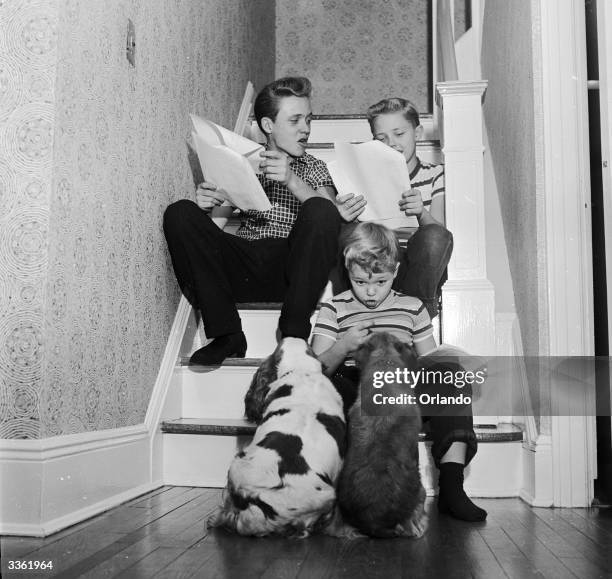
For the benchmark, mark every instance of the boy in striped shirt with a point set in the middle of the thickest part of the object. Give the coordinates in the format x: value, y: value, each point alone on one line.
x: 371, y: 258
x: 426, y: 250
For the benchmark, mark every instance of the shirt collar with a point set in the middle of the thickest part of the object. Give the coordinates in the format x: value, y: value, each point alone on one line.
x: 416, y: 169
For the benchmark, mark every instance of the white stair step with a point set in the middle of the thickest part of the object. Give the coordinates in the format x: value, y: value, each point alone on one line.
x: 198, y: 452
x: 428, y: 151
x: 350, y: 128
x: 260, y: 321
x: 215, y: 392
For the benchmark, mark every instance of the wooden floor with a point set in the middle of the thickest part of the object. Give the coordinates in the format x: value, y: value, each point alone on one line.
x: 162, y: 534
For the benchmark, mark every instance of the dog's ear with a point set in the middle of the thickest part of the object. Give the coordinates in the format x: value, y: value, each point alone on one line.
x: 407, y: 353
x: 256, y: 394
x: 254, y: 400
x: 363, y: 352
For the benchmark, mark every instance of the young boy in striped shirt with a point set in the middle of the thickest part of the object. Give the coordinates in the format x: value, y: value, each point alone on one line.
x: 371, y: 258
x: 426, y: 250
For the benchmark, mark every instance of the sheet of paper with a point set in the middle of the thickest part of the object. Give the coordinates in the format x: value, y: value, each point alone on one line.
x: 377, y: 172
x: 215, y: 134
x: 232, y: 172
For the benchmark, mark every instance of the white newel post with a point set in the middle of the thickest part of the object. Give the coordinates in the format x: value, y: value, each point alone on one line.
x: 468, y: 316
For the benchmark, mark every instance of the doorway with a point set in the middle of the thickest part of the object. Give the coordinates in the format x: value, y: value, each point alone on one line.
x: 603, y: 483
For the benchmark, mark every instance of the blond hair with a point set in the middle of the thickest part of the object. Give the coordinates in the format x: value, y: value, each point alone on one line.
x: 372, y: 247
x: 393, y: 105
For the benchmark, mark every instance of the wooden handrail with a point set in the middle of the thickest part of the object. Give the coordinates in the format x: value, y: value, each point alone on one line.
x: 447, y: 61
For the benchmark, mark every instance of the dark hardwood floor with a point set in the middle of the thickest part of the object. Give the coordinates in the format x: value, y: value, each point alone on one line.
x: 163, y: 535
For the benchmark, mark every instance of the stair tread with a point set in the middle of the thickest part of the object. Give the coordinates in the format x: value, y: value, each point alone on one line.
x: 228, y: 362
x: 419, y: 144
x: 240, y: 426
x: 350, y: 116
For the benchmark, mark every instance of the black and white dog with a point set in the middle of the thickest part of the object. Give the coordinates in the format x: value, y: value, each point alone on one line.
x: 379, y: 491
x: 284, y: 481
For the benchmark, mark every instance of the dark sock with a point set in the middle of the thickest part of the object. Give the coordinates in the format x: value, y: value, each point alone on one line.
x: 452, y: 499
x: 220, y: 348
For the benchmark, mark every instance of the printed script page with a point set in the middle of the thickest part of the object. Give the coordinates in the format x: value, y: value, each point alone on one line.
x: 377, y: 172
x: 232, y: 172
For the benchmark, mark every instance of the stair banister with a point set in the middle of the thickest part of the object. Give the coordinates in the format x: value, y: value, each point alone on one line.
x: 447, y: 61
x: 468, y: 296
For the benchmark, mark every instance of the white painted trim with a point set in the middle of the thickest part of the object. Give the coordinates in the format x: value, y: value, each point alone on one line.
x: 77, y: 476
x: 604, y: 37
x: 537, y: 489
x: 171, y: 355
x: 53, y: 526
x: 567, y: 234
x: 45, y: 449
x: 63, y: 484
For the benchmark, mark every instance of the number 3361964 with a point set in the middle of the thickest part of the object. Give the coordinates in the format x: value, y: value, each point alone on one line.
x: 18, y: 565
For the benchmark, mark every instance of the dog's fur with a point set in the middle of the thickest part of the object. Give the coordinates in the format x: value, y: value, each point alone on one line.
x: 284, y: 481
x: 380, y: 491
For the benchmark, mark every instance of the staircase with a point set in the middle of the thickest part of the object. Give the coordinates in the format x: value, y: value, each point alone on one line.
x: 208, y: 428
x: 202, y: 424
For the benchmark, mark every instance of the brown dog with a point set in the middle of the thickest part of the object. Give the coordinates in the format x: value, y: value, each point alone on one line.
x: 380, y: 491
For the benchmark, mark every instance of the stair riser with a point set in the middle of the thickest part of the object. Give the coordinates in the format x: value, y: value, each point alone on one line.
x: 198, y: 460
x: 426, y: 153
x: 260, y: 327
x: 216, y: 394
x: 354, y: 130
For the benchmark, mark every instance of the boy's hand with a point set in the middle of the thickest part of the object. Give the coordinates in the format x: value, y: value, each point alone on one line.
x: 350, y: 206
x: 209, y: 196
x: 356, y: 336
x: 275, y: 166
x: 411, y: 203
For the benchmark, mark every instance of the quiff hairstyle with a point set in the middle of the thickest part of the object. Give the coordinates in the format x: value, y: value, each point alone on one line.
x: 393, y: 105
x: 372, y: 247
x: 267, y: 103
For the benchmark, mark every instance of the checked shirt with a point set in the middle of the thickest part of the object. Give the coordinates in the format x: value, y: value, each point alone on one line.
x: 278, y: 221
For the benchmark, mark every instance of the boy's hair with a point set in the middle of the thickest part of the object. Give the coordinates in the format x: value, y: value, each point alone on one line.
x: 372, y: 247
x: 268, y: 99
x: 393, y: 105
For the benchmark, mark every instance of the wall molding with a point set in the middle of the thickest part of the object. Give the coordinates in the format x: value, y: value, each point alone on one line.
x: 77, y: 476
x: 567, y: 234
x: 537, y: 488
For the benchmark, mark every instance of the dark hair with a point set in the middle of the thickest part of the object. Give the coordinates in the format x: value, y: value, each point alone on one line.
x: 371, y: 246
x: 268, y: 99
x: 393, y: 105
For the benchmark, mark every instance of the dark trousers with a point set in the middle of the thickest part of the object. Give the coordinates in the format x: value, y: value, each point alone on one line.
x: 422, y: 265
x: 444, y: 424
x: 215, y: 270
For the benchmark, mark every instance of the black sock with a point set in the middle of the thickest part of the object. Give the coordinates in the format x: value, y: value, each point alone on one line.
x: 452, y: 498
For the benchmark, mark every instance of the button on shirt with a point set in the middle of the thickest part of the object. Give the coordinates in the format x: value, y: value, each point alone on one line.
x: 278, y: 221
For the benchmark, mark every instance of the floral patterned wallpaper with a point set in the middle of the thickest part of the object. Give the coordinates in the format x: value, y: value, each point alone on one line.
x: 92, y: 151
x: 357, y: 52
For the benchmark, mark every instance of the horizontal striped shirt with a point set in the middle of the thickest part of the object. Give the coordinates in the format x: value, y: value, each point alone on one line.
x: 278, y: 221
x: 429, y: 180
x: 404, y: 316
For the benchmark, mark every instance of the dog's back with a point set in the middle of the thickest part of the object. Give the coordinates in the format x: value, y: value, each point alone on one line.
x: 380, y: 491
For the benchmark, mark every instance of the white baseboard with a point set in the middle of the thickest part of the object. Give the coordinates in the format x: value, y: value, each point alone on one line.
x: 73, y: 517
x: 52, y: 483
x: 537, y: 488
